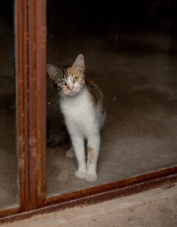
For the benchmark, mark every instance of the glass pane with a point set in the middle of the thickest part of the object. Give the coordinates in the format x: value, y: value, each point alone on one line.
x: 130, y: 52
x: 8, y: 159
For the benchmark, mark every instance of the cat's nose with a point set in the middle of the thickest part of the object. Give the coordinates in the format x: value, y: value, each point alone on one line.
x: 70, y: 88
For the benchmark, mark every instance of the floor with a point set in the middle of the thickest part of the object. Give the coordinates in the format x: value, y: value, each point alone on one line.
x: 140, y: 97
x: 135, y: 67
x: 155, y: 208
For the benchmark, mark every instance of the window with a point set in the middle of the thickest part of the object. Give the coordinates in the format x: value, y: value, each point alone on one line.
x: 130, y: 52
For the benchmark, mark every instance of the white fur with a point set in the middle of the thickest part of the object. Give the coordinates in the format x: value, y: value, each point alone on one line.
x: 83, y: 121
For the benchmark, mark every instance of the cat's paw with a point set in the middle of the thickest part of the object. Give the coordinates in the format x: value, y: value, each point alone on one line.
x: 70, y: 154
x: 91, y: 177
x: 80, y: 174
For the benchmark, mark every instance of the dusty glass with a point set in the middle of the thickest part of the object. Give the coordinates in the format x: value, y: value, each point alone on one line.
x: 8, y: 158
x: 130, y: 52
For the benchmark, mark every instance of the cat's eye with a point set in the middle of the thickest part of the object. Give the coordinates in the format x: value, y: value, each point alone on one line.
x: 62, y: 82
x: 75, y: 79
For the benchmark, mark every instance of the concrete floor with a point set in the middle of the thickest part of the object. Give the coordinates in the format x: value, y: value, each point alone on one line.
x: 155, y: 208
x: 140, y: 93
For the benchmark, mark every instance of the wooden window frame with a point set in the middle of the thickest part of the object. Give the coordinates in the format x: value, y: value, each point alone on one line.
x: 30, y: 45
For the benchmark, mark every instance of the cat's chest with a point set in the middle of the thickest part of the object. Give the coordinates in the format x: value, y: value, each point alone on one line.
x: 76, y: 105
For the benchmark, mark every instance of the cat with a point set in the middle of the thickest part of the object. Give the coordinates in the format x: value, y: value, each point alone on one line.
x: 81, y: 102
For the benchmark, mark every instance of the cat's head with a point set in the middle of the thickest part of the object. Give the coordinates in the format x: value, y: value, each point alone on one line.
x: 68, y: 80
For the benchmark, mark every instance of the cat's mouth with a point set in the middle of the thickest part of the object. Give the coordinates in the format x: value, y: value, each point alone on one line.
x: 71, y: 93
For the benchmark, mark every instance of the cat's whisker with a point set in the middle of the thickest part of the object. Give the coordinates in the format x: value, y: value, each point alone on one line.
x: 54, y: 98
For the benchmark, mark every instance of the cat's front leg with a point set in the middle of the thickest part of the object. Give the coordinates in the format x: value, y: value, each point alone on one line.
x: 93, y: 147
x: 78, y: 144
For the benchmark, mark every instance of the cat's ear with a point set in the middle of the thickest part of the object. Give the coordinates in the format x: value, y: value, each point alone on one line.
x: 52, y: 71
x: 79, y: 63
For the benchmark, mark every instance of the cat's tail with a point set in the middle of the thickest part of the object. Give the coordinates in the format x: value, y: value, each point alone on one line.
x: 102, y: 119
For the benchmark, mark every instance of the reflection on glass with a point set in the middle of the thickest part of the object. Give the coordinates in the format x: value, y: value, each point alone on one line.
x: 8, y: 163
x: 130, y: 53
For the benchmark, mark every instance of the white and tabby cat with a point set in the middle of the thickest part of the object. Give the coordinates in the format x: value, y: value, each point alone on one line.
x: 81, y: 103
